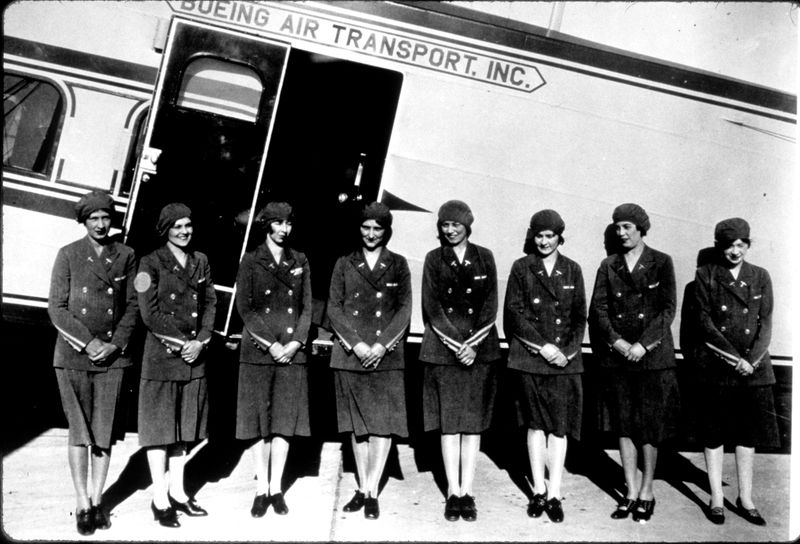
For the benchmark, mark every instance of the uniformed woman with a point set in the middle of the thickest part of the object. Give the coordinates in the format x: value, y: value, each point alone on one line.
x: 93, y: 307
x: 369, y: 308
x: 460, y: 349
x: 273, y: 297
x: 632, y: 308
x: 734, y: 301
x: 177, y: 302
x: 544, y: 320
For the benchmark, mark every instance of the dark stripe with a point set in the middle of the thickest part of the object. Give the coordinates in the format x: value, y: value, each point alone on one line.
x: 397, y: 203
x: 50, y: 205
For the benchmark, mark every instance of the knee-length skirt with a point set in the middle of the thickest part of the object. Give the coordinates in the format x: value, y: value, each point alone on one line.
x: 172, y: 411
x: 92, y: 403
x: 371, y: 403
x: 738, y: 416
x: 458, y: 399
x: 272, y: 400
x: 552, y: 403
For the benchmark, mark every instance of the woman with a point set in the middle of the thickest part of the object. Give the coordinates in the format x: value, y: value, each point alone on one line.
x: 93, y: 307
x: 734, y: 300
x: 273, y: 296
x: 632, y: 308
x: 459, y: 348
x: 369, y: 308
x: 177, y: 302
x: 544, y: 319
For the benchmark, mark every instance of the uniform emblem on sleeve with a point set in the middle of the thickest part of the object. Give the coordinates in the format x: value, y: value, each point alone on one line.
x: 142, y: 282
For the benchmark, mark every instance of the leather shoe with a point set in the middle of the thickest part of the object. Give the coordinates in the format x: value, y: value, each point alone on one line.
x: 260, y: 504
x: 84, y: 522
x: 554, y: 511
x: 356, y: 503
x: 716, y: 514
x: 750, y: 515
x: 100, y: 517
x: 624, y: 509
x: 644, y: 510
x: 371, y: 508
x: 536, y: 506
x: 166, y: 517
x: 279, y: 504
x: 452, y: 508
x: 190, y: 507
x: 468, y: 510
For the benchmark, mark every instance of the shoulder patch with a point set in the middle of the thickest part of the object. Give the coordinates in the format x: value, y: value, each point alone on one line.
x: 142, y: 282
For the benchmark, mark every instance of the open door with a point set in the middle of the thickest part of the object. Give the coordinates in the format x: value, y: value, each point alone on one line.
x: 206, y: 143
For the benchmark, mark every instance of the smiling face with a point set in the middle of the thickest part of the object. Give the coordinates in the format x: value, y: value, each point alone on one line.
x: 372, y: 234
x: 453, y: 232
x: 628, y: 235
x: 546, y: 242
x: 736, y: 252
x: 180, y: 233
x: 279, y: 231
x: 98, y: 225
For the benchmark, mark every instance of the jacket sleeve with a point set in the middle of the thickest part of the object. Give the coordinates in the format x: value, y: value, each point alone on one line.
x: 577, y: 314
x: 712, y: 336
x: 667, y: 299
x: 130, y: 317
x: 68, y: 325
x: 598, y: 312
x: 397, y: 326
x: 253, y: 321
x: 764, y: 334
x: 161, y: 324
x: 209, y: 308
x: 432, y: 310
x: 336, y: 296
x: 515, y: 321
x: 488, y: 313
x: 304, y: 321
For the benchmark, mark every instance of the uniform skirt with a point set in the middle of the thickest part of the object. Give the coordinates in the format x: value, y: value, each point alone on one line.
x: 738, y: 415
x: 552, y: 403
x: 458, y: 399
x: 643, y: 405
x: 172, y: 411
x: 371, y: 403
x: 272, y: 399
x: 92, y: 404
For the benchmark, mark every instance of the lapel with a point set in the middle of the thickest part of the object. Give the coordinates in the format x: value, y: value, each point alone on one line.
x: 739, y: 287
x: 540, y: 273
x: 641, y: 269
x: 97, y: 264
x: 382, y: 265
x: 169, y: 262
x: 284, y: 269
x: 464, y: 271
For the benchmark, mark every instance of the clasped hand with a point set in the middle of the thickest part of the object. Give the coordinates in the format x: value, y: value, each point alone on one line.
x: 370, y: 356
x: 284, y: 354
x: 632, y: 352
x: 98, y: 351
x: 744, y: 368
x: 191, y: 350
x: 553, y: 355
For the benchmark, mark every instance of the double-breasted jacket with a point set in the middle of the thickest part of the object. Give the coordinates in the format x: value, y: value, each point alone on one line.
x: 541, y: 309
x: 274, y: 301
x: 459, y: 304
x: 735, y: 317
x: 371, y: 306
x: 637, y: 306
x: 178, y: 304
x: 91, y: 297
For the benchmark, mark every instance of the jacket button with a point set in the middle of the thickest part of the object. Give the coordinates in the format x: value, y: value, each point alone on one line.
x: 745, y: 311
x: 356, y: 295
x: 266, y: 311
x: 449, y: 290
x: 378, y: 313
x: 536, y: 301
x: 379, y: 295
x: 85, y: 289
x: 194, y: 314
x: 290, y: 330
x: 558, y: 321
x: 291, y: 292
x: 723, y: 328
x: 109, y: 334
x: 556, y: 303
x: 194, y: 333
x: 618, y: 294
x: 449, y: 310
x: 172, y: 296
x: 355, y: 312
x: 619, y: 316
x: 110, y: 291
x: 640, y: 316
x: 723, y: 308
x: 469, y: 290
x: 194, y: 296
x: 377, y: 333
x: 469, y: 311
x: 267, y: 292
x: 558, y: 339
x: 110, y: 311
x: 747, y: 331
x: 289, y: 310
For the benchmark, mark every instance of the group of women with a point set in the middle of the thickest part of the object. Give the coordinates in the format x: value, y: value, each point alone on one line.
x: 95, y: 304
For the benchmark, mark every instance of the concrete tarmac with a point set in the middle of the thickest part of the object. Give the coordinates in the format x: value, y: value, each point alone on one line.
x: 38, y: 499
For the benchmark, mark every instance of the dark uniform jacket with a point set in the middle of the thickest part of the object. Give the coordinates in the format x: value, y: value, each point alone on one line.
x: 92, y: 297
x: 541, y: 309
x: 370, y: 306
x: 177, y: 304
x: 735, y: 318
x: 274, y: 301
x: 636, y: 306
x: 459, y: 304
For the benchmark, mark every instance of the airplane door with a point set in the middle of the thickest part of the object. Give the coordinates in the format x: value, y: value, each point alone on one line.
x: 205, y: 144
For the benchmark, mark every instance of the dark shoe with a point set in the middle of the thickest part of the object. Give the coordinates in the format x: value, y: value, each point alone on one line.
x: 644, y: 510
x: 553, y: 510
x: 536, y: 506
x: 716, y: 514
x: 468, y: 510
x: 166, y: 517
x: 84, y: 522
x: 100, y: 517
x: 260, y: 504
x: 279, y: 504
x: 190, y: 507
x: 624, y: 509
x: 750, y: 515
x: 371, y: 508
x: 452, y: 508
x: 356, y: 503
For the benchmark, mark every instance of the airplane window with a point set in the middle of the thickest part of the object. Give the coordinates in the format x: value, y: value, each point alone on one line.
x: 221, y: 88
x: 31, y: 119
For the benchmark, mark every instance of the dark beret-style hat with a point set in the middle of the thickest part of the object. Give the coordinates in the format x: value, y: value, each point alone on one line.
x: 379, y: 212
x: 547, y: 220
x: 91, y: 202
x: 457, y: 211
x: 169, y: 214
x: 633, y: 213
x: 728, y: 231
x: 274, y: 211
